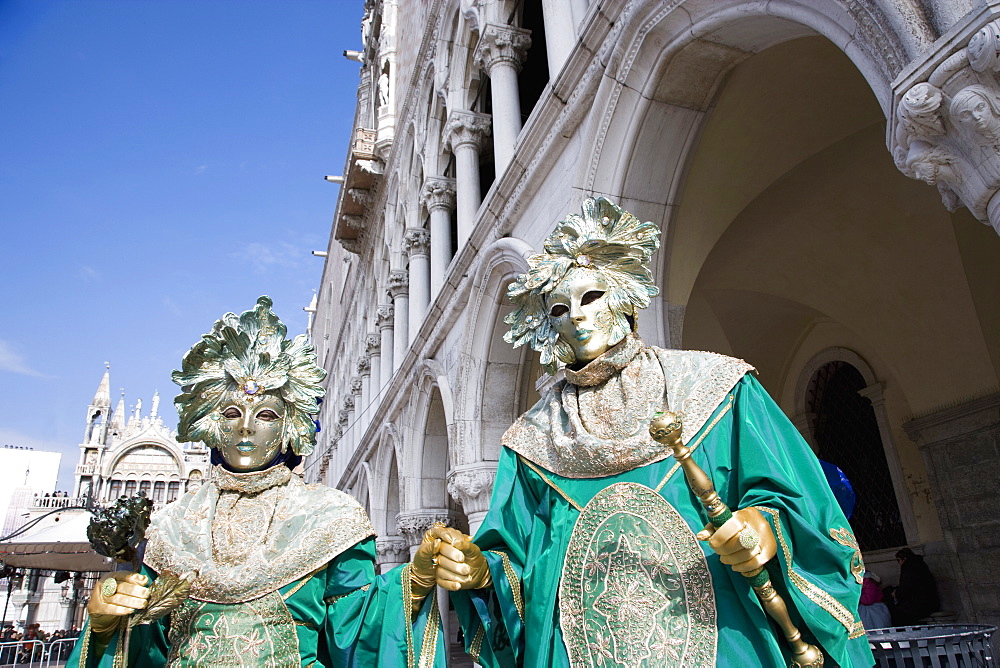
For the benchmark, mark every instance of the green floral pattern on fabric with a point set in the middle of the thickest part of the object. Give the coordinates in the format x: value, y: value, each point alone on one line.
x: 635, y: 587
x: 260, y: 632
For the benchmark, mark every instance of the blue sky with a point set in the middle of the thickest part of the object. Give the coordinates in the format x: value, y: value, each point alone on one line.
x: 161, y: 163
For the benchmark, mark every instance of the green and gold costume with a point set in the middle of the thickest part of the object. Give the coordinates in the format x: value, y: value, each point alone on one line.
x: 286, y: 578
x: 590, y: 534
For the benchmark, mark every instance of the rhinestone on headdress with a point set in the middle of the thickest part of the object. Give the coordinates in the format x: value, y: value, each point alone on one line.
x: 251, y: 387
x: 583, y: 260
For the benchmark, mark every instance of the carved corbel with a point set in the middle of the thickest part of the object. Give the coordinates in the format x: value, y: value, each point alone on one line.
x: 946, y: 125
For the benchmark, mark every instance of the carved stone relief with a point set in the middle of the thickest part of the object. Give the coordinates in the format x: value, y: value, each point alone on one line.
x: 438, y: 193
x: 472, y: 488
x: 947, y: 128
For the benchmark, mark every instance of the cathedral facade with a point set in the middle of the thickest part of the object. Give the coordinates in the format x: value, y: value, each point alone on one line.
x: 825, y: 176
x: 127, y: 454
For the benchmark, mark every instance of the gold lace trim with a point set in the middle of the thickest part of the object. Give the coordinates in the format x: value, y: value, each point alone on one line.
x: 855, y: 629
x: 515, y: 582
x: 477, y: 643
x: 330, y: 600
x: 407, y: 612
x: 302, y: 583
x: 251, y: 482
x: 429, y: 647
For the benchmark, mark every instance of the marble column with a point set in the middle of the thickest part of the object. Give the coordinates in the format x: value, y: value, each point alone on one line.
x: 417, y: 242
x: 560, y: 33
x: 501, y: 52
x: 399, y: 290
x: 373, y: 346
x: 472, y: 486
x: 438, y: 196
x: 466, y: 130
x: 364, y: 372
x: 357, y: 424
x: 384, y: 322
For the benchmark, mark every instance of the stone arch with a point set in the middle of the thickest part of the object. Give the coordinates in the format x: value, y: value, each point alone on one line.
x: 112, y: 465
x: 482, y: 343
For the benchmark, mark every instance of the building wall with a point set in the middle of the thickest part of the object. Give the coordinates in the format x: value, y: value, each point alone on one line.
x: 755, y: 135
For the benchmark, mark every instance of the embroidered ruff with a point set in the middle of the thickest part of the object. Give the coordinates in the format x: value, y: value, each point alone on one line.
x: 581, y: 431
x: 245, y: 545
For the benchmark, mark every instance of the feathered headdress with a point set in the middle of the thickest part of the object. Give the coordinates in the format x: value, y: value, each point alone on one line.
x: 605, y: 239
x: 249, y: 354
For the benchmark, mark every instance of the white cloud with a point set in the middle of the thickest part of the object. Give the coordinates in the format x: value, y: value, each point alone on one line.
x: 89, y: 273
x: 263, y: 257
x: 11, y: 362
x: 200, y: 169
x: 172, y: 307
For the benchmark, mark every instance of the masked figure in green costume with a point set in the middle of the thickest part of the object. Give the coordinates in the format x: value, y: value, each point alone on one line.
x: 281, y: 573
x: 595, y: 551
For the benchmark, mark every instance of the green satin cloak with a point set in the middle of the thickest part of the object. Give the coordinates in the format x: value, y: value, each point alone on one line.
x: 755, y: 457
x: 344, y: 615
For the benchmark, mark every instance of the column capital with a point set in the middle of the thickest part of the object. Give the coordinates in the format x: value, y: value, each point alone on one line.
x: 392, y: 550
x: 473, y: 486
x: 356, y: 386
x: 438, y: 193
x: 364, y: 365
x: 399, y: 283
x: 417, y: 241
x: 468, y: 128
x: 345, y: 415
x: 502, y: 44
x: 413, y: 525
x: 945, y: 130
x: 383, y: 315
x: 373, y: 344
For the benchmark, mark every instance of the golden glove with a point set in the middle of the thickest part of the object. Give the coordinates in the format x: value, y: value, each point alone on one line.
x: 423, y: 566
x: 460, y: 563
x: 114, y: 597
x: 745, y: 542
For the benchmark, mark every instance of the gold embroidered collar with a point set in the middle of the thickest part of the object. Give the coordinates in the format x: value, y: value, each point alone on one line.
x: 252, y: 482
x: 244, y: 545
x: 592, y: 431
x: 607, y: 365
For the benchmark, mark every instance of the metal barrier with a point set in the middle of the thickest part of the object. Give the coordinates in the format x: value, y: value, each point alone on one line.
x: 35, y: 653
x: 966, y: 645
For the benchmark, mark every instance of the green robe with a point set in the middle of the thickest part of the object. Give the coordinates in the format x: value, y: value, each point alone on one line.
x: 755, y: 457
x: 285, y: 576
x: 344, y: 615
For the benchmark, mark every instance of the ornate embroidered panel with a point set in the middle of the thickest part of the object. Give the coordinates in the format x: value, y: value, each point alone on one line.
x: 635, y: 588
x: 255, y: 633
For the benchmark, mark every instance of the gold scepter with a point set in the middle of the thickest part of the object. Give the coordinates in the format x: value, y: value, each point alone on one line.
x: 665, y: 428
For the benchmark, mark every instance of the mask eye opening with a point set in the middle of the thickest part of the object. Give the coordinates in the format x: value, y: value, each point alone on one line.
x: 559, y: 310
x: 591, y: 296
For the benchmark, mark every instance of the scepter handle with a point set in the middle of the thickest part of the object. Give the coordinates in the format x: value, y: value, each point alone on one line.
x: 666, y: 428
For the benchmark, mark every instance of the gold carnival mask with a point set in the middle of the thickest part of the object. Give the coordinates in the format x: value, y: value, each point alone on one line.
x: 604, y: 249
x: 249, y: 392
x: 251, y: 430
x: 580, y: 314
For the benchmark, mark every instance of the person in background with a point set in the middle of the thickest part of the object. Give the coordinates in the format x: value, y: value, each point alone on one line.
x: 873, y: 611
x: 916, y: 596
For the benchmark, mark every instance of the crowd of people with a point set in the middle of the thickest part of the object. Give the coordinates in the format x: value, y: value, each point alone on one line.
x: 31, y: 643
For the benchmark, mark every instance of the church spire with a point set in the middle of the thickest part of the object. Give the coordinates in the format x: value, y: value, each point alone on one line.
x: 102, y: 398
x: 118, y: 417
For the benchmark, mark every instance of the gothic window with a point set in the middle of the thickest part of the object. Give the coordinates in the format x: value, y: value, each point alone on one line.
x: 159, y: 488
x: 130, y: 487
x: 847, y: 435
x: 116, y: 490
x: 144, y: 488
x: 173, y: 488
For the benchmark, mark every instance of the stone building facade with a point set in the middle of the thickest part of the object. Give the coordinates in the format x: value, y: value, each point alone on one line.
x: 784, y: 149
